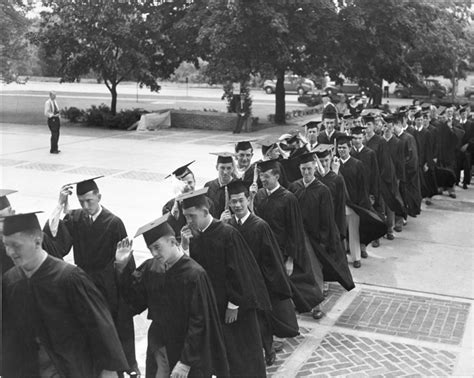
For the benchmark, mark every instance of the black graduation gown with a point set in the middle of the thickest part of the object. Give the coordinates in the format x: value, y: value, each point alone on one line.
x: 368, y: 158
x: 387, y: 174
x: 371, y: 226
x: 183, y: 310
x: 61, y: 307
x: 318, y: 218
x: 281, y: 211
x: 446, y: 144
x: 236, y: 278
x: 425, y: 159
x: 94, y: 252
x: 292, y: 166
x: 410, y: 188
x: 336, y: 185
x: 176, y: 224
x: 396, y: 153
x: 216, y: 193
x: 264, y: 246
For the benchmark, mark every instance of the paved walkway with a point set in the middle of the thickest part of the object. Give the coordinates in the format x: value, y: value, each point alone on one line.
x: 410, y: 314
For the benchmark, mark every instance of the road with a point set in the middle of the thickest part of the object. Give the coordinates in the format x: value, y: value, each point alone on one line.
x: 24, y: 103
x: 410, y: 313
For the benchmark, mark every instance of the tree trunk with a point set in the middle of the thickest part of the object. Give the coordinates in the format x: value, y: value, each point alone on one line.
x: 113, y: 104
x: 280, y: 117
x: 454, y: 82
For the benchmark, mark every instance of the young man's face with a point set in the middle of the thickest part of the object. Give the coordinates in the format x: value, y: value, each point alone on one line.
x: 239, y: 204
x: 343, y: 150
x: 225, y: 171
x: 21, y: 247
x: 357, y: 122
x: 90, y: 202
x: 163, y: 249
x: 244, y: 158
x: 307, y: 171
x: 269, y: 179
x: 312, y: 135
x: 357, y: 140
x: 189, y: 182
x: 418, y: 122
x: 330, y: 124
x: 370, y: 127
x: 326, y: 163
x: 196, y: 218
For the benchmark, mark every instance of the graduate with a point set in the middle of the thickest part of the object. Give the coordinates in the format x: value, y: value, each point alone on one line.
x: 280, y: 209
x: 298, y: 147
x: 363, y: 224
x: 410, y: 188
x: 328, y: 134
x: 56, y: 322
x: 328, y: 175
x: 316, y: 206
x: 426, y: 164
x: 188, y: 183
x: 236, y: 279
x: 389, y: 194
x: 225, y: 167
x: 312, y: 132
x: 281, y: 320
x: 244, y: 155
x: 185, y: 337
x: 93, y: 232
x: 368, y: 158
x: 271, y: 150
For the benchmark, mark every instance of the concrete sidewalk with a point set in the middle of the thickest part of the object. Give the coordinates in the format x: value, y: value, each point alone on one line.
x: 410, y: 314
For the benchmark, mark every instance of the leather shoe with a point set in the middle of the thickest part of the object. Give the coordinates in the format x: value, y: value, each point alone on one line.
x: 452, y: 195
x: 55, y: 152
x: 363, y: 254
x: 270, y: 358
x: 376, y: 243
x: 428, y: 202
x: 277, y: 346
x: 317, y: 314
x: 398, y: 228
x: 464, y: 186
x: 390, y: 237
x: 357, y: 264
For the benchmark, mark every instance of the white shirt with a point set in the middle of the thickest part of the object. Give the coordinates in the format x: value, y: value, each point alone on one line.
x: 309, y: 183
x: 243, y: 219
x: 329, y: 135
x: 210, y: 221
x: 94, y: 217
x: 359, y: 149
x: 49, y: 108
x: 345, y: 161
x: 269, y: 192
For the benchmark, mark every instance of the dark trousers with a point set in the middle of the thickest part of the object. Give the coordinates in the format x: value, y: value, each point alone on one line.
x: 463, y: 164
x: 240, y: 122
x: 53, y: 124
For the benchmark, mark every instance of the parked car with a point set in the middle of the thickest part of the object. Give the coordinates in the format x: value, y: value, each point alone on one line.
x: 346, y: 88
x: 469, y: 91
x: 293, y: 83
x: 427, y: 88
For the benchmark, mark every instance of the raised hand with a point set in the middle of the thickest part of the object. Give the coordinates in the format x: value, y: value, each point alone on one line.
x: 124, y: 249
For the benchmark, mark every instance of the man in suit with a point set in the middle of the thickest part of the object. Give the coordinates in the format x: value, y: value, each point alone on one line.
x: 51, y: 111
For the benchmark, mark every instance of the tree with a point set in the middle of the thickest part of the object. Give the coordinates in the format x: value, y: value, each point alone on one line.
x: 388, y: 39
x: 118, y: 40
x: 243, y: 37
x: 13, y: 45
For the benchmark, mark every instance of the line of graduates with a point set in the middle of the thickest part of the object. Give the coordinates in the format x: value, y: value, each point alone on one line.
x: 232, y: 263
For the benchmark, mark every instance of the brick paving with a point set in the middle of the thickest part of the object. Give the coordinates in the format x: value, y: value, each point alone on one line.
x: 44, y: 166
x: 289, y: 347
x: 10, y: 162
x: 351, y: 356
x: 93, y: 171
x: 416, y: 317
x: 141, y: 175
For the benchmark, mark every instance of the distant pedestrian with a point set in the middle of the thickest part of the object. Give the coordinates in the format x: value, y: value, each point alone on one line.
x: 51, y: 111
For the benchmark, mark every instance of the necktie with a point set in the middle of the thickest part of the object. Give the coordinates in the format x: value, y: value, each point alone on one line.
x: 239, y: 222
x: 55, y: 107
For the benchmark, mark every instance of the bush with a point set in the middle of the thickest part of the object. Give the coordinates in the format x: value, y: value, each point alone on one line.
x: 101, y: 116
x: 73, y: 114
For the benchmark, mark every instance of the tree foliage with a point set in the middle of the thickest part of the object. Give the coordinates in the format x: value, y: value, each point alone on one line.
x: 117, y: 40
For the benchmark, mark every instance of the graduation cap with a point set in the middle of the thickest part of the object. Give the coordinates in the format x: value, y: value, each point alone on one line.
x: 266, y: 165
x: 402, y: 109
x: 312, y: 124
x: 323, y: 150
x: 441, y: 110
x: 341, y: 139
x: 418, y: 114
x: 463, y: 110
x: 358, y: 130
x: 194, y: 198
x: 4, y: 202
x: 331, y: 115
x: 267, y: 145
x: 388, y: 118
x: 294, y: 138
x: 425, y: 106
x: 155, y: 230
x: 369, y: 118
x: 347, y: 116
x: 243, y: 145
x: 413, y: 107
x: 85, y: 186
x: 181, y: 171
x: 238, y: 186
x: 224, y: 157
x: 306, y: 157
x: 21, y: 222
